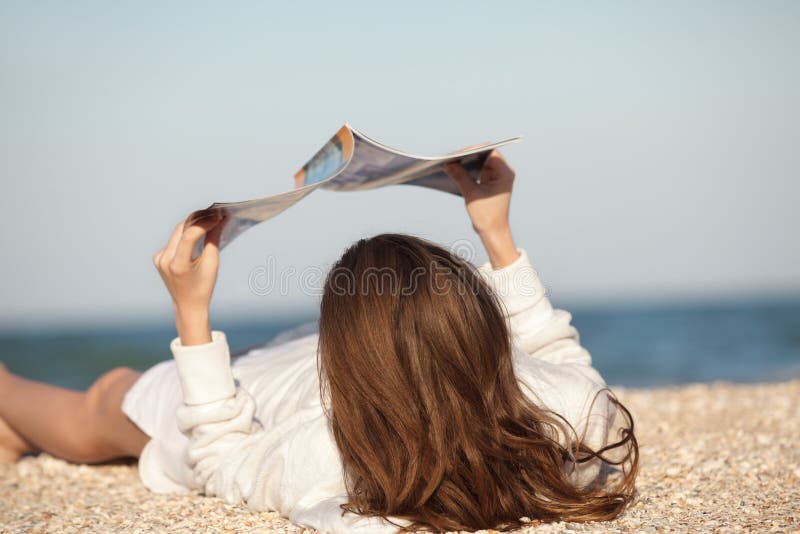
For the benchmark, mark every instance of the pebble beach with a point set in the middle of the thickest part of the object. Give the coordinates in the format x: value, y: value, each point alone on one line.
x: 714, y: 457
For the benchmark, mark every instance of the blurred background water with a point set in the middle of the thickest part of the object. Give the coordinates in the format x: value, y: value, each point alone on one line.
x: 643, y: 346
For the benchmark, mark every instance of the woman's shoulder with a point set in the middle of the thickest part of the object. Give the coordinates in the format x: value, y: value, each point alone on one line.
x: 573, y: 388
x: 305, y: 331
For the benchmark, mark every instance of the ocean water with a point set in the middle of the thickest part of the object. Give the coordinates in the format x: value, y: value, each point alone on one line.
x: 648, y: 346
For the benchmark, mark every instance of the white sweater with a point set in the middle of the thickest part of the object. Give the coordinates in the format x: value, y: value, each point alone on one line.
x: 265, y: 440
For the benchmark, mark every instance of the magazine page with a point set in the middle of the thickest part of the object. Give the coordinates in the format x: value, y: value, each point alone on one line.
x: 374, y: 164
x: 349, y: 161
x: 240, y: 216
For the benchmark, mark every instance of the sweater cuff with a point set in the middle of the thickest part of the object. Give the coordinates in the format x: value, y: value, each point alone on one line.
x: 517, y: 284
x: 204, y: 370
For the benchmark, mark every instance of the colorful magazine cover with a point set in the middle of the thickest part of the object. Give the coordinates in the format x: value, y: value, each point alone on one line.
x: 349, y: 161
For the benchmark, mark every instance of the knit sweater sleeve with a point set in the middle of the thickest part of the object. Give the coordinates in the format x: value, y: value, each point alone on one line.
x: 536, y: 327
x: 231, y: 455
x: 554, y: 369
x: 217, y: 417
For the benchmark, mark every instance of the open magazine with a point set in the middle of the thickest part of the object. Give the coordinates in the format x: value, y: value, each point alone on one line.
x: 349, y: 161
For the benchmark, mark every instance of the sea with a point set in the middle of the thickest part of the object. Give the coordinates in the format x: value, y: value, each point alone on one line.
x: 642, y: 346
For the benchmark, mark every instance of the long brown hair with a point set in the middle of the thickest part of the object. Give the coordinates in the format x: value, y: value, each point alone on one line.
x: 428, y: 416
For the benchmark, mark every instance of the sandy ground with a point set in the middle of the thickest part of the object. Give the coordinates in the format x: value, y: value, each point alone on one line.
x: 715, y: 457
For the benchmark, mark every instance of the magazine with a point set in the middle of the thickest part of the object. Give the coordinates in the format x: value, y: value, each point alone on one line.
x: 349, y: 161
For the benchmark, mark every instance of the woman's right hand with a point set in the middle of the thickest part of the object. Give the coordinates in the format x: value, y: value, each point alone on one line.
x: 189, y: 281
x: 488, y: 202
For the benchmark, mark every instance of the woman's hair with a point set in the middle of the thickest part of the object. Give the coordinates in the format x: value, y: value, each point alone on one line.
x: 430, y: 421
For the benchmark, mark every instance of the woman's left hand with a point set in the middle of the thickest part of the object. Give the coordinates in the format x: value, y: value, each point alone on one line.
x: 189, y: 281
x: 488, y: 203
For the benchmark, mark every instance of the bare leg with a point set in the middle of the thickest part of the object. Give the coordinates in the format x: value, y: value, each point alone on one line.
x: 83, y: 427
x: 12, y: 445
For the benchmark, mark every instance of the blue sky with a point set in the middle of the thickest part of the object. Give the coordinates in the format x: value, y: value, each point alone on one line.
x: 660, y: 160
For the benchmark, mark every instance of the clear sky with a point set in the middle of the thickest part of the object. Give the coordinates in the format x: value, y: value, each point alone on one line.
x: 660, y: 161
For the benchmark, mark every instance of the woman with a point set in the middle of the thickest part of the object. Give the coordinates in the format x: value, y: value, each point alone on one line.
x: 433, y: 396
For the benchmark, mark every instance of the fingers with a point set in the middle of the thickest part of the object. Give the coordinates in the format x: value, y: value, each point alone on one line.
x: 498, y: 164
x: 496, y: 156
x: 182, y: 260
x: 162, y: 258
x: 173, y: 257
x: 211, y: 246
x: 461, y: 177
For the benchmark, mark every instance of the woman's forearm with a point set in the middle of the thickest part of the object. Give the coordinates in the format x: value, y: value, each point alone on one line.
x: 500, y: 247
x: 193, y: 326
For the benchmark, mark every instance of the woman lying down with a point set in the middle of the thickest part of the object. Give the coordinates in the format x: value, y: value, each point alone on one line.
x: 434, y: 395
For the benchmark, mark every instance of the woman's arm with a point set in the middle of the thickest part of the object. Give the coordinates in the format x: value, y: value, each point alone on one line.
x: 570, y: 386
x: 190, y: 282
x: 216, y: 415
x: 536, y: 327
